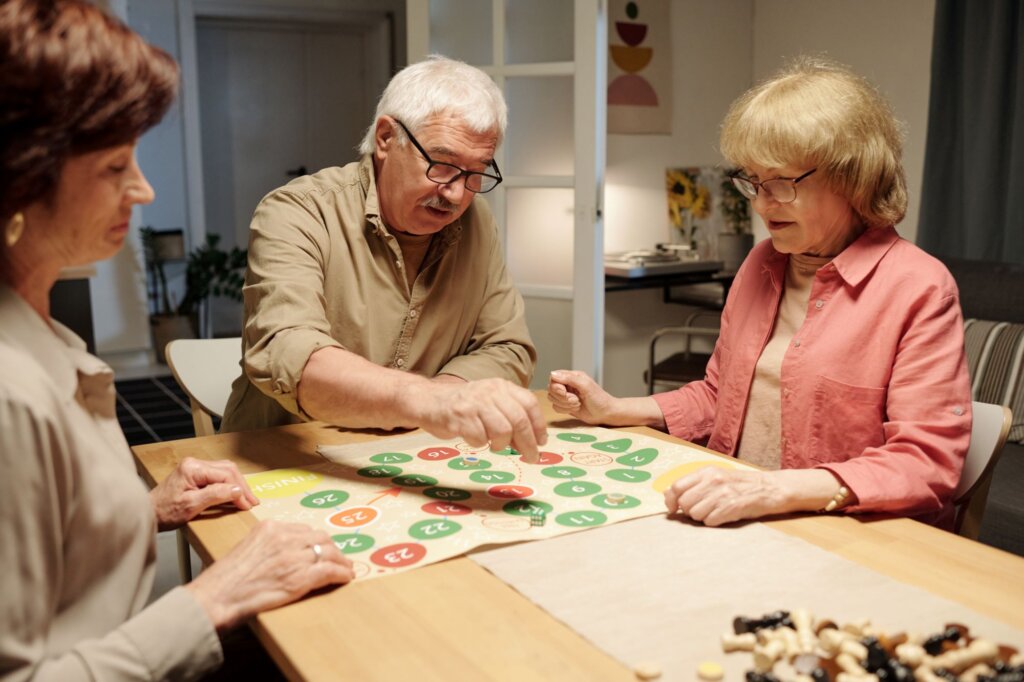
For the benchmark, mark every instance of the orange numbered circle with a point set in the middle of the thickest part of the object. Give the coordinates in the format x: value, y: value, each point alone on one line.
x: 509, y: 492
x: 546, y: 458
x: 438, y: 454
x: 446, y: 509
x: 400, y: 555
x: 354, y: 517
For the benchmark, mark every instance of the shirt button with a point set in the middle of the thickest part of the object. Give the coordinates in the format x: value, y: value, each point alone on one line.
x: 819, y: 304
x: 400, y: 362
x: 785, y: 394
x: 797, y: 343
x: 958, y: 411
x: 398, y: 263
x: 412, y: 313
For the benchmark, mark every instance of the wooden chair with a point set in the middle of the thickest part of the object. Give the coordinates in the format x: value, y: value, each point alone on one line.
x: 686, y: 365
x: 204, y: 368
x: 988, y: 435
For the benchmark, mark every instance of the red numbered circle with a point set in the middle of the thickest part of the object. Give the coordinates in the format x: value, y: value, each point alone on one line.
x: 509, y: 492
x: 400, y: 555
x: 438, y: 454
x: 546, y: 458
x: 446, y: 509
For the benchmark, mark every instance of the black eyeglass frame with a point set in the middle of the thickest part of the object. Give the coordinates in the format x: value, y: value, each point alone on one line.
x: 462, y: 173
x: 737, y: 179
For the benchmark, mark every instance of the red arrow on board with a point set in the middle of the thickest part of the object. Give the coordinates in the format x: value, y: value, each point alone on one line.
x: 393, y: 492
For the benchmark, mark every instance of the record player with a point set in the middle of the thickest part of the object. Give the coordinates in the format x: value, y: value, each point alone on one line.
x: 665, y: 259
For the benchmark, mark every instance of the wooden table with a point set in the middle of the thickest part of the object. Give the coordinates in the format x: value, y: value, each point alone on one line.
x: 454, y: 620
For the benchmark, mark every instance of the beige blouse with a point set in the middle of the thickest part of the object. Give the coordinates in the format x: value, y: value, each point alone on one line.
x: 77, y: 529
x: 760, y: 442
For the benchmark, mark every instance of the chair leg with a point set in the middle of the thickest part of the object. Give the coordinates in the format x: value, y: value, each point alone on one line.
x: 184, y: 557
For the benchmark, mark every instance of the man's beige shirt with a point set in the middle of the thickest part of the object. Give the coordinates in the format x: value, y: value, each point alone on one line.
x: 77, y: 527
x: 325, y: 271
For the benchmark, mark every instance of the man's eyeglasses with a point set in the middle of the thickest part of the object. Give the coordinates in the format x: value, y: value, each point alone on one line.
x: 446, y: 173
x: 782, y: 190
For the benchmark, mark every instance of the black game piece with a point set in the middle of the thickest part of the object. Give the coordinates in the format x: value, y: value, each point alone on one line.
x: 933, y: 645
x: 820, y: 675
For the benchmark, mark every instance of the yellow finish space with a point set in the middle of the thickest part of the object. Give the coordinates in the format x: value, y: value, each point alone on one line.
x: 282, y: 482
x: 661, y: 483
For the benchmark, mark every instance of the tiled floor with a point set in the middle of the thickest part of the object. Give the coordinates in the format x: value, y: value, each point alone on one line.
x: 153, y: 410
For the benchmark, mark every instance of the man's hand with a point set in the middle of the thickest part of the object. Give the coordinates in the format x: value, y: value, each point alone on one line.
x: 489, y: 412
x: 196, y: 485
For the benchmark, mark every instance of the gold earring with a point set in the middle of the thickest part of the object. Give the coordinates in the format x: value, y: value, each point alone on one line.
x: 15, y: 228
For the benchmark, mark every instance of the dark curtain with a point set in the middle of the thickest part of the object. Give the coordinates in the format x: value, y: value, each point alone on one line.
x: 972, y: 203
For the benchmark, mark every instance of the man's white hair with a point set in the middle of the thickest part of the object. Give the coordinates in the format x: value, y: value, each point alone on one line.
x: 439, y: 85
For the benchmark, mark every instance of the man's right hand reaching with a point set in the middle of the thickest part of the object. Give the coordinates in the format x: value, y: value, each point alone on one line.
x: 492, y: 412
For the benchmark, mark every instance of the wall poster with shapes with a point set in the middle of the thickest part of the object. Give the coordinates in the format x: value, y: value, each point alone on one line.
x: 639, y: 67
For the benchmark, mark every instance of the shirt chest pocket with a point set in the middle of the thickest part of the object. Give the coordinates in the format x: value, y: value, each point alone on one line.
x: 845, y: 419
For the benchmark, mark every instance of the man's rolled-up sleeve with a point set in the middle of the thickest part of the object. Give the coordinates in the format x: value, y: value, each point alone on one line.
x: 285, y: 308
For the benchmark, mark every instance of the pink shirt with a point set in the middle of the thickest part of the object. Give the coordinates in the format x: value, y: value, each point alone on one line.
x: 874, y: 384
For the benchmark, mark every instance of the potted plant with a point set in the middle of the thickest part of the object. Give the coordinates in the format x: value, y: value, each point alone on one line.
x: 736, y: 241
x: 210, y: 271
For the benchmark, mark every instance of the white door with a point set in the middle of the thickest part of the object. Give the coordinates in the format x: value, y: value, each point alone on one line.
x: 276, y: 100
x: 550, y: 59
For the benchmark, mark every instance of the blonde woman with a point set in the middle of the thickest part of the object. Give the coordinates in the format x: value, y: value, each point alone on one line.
x: 840, y: 366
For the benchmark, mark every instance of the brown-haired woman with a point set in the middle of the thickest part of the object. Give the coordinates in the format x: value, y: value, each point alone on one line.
x: 77, y: 89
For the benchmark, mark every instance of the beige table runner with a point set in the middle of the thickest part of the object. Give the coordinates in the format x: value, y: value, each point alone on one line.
x: 663, y: 591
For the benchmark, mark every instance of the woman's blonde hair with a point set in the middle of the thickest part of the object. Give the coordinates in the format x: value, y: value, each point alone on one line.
x: 817, y: 113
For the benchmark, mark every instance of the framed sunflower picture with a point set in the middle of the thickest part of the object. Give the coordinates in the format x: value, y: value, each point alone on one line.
x: 705, y: 210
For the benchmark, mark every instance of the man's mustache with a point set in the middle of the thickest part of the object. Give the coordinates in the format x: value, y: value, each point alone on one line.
x: 441, y: 204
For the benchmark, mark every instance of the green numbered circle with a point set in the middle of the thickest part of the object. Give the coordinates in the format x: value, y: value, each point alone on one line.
x: 414, y: 481
x: 526, y: 507
x: 461, y: 464
x: 492, y: 477
x: 577, y: 488
x: 563, y: 472
x: 581, y: 519
x: 628, y: 502
x: 391, y: 458
x: 628, y: 475
x: 350, y: 543
x: 639, y: 458
x: 618, y: 445
x: 432, y: 529
x: 450, y: 494
x: 577, y: 437
x: 506, y: 452
x: 381, y: 471
x: 324, y: 499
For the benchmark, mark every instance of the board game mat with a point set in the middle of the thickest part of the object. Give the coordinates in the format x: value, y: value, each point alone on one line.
x: 394, y: 504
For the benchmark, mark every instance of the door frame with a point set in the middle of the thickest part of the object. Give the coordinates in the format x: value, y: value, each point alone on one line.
x: 362, y: 13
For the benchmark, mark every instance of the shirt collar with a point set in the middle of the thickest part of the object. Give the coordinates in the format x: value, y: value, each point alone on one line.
x: 60, y: 352
x: 853, y: 264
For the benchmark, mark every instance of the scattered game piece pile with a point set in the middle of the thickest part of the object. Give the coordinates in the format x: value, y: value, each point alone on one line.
x: 793, y: 646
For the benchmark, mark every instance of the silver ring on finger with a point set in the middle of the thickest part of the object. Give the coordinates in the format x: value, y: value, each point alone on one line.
x: 318, y: 553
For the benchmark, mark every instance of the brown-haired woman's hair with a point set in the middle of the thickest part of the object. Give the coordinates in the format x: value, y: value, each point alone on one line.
x: 72, y: 80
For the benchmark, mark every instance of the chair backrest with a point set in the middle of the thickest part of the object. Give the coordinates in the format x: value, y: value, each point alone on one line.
x: 988, y: 435
x: 205, y: 369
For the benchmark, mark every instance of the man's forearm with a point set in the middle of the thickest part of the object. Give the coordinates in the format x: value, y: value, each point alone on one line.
x: 340, y: 387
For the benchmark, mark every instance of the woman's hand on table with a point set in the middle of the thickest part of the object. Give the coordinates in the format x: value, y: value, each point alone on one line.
x: 574, y: 393
x: 196, y: 485
x: 274, y: 565
x: 716, y: 496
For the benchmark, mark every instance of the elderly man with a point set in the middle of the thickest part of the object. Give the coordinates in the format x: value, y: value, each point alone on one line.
x: 376, y: 294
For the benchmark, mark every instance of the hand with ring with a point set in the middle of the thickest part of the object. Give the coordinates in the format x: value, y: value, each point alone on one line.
x: 271, y: 567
